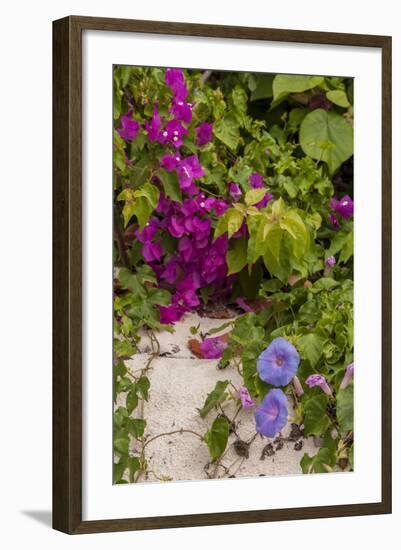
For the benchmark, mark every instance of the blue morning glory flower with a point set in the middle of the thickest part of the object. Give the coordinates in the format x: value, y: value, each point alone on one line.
x: 278, y: 364
x: 271, y: 415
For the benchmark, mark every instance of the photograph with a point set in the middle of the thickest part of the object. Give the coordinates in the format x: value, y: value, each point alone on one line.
x: 233, y: 212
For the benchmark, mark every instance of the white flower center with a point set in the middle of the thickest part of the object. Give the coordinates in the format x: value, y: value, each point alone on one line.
x: 202, y: 204
x: 175, y: 133
x: 180, y: 103
x: 345, y: 203
x: 175, y: 138
x: 165, y: 133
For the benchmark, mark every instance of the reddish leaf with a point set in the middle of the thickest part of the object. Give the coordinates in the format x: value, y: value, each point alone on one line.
x: 194, y: 346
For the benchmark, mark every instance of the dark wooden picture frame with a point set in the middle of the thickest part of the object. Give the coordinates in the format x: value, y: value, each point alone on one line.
x: 67, y: 274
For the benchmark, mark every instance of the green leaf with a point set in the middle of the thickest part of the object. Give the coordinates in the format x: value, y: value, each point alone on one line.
x: 345, y: 409
x: 240, y: 104
x: 276, y: 258
x: 284, y: 84
x: 127, y: 279
x: 133, y: 465
x: 311, y: 347
x: 117, y: 95
x: 150, y: 192
x: 214, y: 397
x: 254, y: 196
x: 132, y: 401
x: 295, y: 117
x: 236, y: 255
x: 316, y: 420
x: 159, y: 296
x: 325, y: 283
x: 338, y: 97
x: 221, y: 226
x: 123, y: 348
x: 119, y: 469
x: 261, y: 86
x: 342, y: 241
x: 143, y: 386
x: 170, y: 184
x: 136, y: 426
x: 326, y: 136
x: 119, y: 416
x: 323, y: 462
x: 227, y: 131
x: 217, y: 437
x: 139, y: 203
x: 278, y: 208
x: 234, y: 221
x: 120, y: 369
x: 347, y: 249
x: 146, y: 274
x: 121, y: 441
x: 293, y: 224
x: 259, y: 228
x: 129, y: 210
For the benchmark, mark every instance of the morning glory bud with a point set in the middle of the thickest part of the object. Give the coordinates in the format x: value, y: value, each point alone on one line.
x: 349, y: 373
x: 318, y: 380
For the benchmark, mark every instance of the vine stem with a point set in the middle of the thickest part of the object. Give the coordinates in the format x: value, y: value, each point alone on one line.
x: 155, y: 353
x: 181, y: 431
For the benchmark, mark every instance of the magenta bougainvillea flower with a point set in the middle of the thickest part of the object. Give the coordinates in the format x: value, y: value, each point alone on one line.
x: 173, y: 133
x: 152, y: 251
x: 278, y: 364
x: 129, y: 127
x: 256, y: 181
x: 153, y: 127
x: 344, y: 207
x: 148, y: 232
x: 176, y: 81
x: 187, y: 170
x: 170, y: 162
x: 349, y: 373
x: 246, y: 399
x: 212, y: 348
x: 217, y: 205
x: 171, y: 314
x: 271, y: 415
x: 170, y: 271
x: 234, y: 190
x: 186, y: 248
x: 213, y: 265
x: 204, y: 133
x: 318, y: 380
x: 181, y: 110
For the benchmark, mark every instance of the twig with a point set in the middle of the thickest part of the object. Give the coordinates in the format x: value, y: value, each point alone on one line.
x: 205, y: 76
x: 181, y: 431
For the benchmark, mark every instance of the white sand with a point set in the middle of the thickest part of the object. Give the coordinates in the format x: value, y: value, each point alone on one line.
x: 179, y: 385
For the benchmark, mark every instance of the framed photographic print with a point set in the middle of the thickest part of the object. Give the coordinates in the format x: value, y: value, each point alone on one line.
x: 222, y: 266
